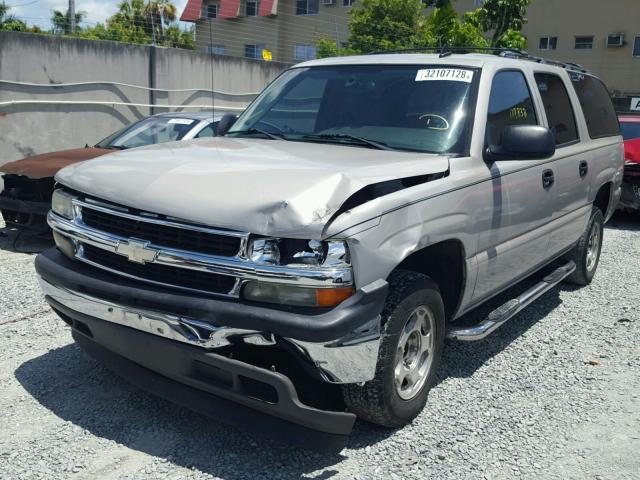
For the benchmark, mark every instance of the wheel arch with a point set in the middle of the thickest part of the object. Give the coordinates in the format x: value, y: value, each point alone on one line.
x: 444, y: 262
x: 603, y: 197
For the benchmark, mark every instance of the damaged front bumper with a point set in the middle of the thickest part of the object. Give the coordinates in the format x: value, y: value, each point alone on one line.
x: 25, y: 202
x: 335, y: 346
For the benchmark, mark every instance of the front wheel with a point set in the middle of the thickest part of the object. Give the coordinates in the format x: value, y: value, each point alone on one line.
x: 586, y: 253
x: 410, y: 351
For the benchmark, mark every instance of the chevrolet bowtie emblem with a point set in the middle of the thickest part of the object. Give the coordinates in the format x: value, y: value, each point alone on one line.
x: 136, y: 251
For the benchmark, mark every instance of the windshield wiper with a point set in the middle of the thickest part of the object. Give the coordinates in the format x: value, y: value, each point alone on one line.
x: 254, y: 131
x: 351, y: 138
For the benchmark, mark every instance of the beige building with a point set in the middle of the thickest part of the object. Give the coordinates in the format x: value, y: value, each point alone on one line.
x: 287, y: 29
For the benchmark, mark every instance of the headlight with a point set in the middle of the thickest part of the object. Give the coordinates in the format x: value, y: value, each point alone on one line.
x: 62, y: 203
x: 294, y: 252
x: 300, y: 254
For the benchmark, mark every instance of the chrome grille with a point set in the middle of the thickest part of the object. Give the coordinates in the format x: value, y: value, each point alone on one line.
x: 157, y: 233
x: 160, y: 274
x: 162, y: 235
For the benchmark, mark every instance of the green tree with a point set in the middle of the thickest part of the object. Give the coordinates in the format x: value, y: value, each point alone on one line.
x: 447, y: 29
x: 503, y: 19
x: 10, y: 22
x: 387, y: 25
x: 62, y: 23
x: 137, y: 21
x: 403, y: 24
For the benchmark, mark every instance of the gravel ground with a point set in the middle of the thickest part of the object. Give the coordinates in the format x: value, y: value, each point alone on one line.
x: 553, y: 394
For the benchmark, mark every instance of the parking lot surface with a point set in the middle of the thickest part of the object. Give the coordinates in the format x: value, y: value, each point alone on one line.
x: 553, y: 394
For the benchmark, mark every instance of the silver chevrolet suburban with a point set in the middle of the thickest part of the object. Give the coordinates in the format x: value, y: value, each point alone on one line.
x: 307, y: 267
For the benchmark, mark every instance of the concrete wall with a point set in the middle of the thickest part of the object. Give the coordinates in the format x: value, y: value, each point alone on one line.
x: 29, y: 129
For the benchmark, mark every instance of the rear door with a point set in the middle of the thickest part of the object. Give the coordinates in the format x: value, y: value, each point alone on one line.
x: 570, y: 164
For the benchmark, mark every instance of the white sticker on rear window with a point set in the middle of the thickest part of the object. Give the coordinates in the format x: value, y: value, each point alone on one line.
x: 453, y: 74
x: 181, y: 121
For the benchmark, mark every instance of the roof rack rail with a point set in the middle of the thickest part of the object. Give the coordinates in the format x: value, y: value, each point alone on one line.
x: 445, y: 51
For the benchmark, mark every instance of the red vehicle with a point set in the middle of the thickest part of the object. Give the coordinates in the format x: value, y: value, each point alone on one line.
x: 630, y: 126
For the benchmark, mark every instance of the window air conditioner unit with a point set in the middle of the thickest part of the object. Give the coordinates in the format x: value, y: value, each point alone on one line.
x: 328, y: 2
x: 615, y: 40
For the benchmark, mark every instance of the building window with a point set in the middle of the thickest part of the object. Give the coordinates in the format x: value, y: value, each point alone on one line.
x: 307, y: 7
x: 217, y: 49
x: 251, y: 8
x: 548, y: 43
x: 584, y: 43
x: 212, y: 10
x: 347, y: 3
x: 428, y: 3
x: 253, y: 51
x: 478, y: 3
x: 636, y: 47
x: 304, y: 52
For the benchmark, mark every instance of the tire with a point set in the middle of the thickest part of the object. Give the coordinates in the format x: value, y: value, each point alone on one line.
x: 413, y: 299
x: 586, y: 253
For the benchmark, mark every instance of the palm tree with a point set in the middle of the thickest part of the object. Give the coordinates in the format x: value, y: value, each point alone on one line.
x: 61, y: 21
x: 160, y: 13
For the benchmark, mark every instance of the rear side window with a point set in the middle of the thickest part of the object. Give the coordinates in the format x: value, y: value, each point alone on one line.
x: 509, y: 104
x: 557, y: 106
x: 597, y: 106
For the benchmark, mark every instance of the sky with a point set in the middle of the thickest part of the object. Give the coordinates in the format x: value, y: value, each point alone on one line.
x: 38, y: 12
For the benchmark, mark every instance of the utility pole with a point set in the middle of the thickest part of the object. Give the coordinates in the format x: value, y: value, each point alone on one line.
x: 71, y: 13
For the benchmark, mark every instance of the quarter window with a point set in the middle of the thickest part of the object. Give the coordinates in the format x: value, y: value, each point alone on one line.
x: 548, y: 43
x: 596, y: 105
x: 584, y: 43
x: 557, y: 106
x: 509, y: 104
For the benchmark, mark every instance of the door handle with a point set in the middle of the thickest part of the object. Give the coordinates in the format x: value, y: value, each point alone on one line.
x: 547, y: 178
x: 583, y: 168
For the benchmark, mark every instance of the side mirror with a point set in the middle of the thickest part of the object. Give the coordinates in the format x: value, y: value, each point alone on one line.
x: 226, y: 122
x: 522, y: 142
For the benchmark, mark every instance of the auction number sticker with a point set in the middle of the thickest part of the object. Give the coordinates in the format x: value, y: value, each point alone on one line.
x: 453, y: 74
x: 180, y: 121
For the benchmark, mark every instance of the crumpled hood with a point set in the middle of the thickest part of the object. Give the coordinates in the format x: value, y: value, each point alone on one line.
x: 268, y: 187
x: 48, y: 164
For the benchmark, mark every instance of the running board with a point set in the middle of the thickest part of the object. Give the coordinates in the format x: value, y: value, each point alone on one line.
x: 506, y: 311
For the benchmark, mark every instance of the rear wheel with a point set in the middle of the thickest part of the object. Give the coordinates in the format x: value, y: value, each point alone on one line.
x: 586, y: 254
x: 410, y: 351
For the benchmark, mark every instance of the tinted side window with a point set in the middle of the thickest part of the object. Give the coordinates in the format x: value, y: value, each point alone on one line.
x: 557, y: 106
x: 509, y: 104
x: 597, y: 107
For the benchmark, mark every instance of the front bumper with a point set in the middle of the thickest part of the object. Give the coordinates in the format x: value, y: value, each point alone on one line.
x: 335, y: 346
x: 231, y: 391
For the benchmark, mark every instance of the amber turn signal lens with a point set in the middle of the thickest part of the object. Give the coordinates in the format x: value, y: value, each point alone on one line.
x: 330, y: 297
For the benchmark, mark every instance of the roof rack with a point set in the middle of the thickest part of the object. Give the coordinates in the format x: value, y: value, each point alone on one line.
x: 445, y: 51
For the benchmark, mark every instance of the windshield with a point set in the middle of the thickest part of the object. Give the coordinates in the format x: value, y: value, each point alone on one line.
x: 149, y: 131
x: 630, y: 130
x: 403, y: 107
